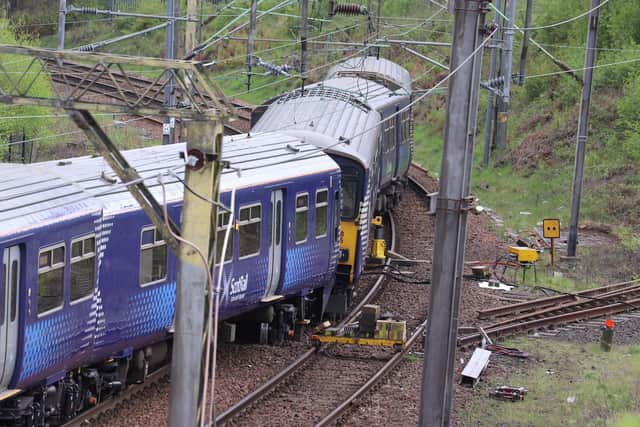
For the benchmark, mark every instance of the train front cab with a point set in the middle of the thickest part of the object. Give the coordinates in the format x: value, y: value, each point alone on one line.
x: 352, y: 192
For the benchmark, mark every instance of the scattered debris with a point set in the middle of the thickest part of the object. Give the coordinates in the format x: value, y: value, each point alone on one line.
x: 485, y: 338
x: 506, y: 392
x: 508, y: 351
x: 571, y: 399
x: 477, y: 364
x: 480, y: 272
x: 495, y: 284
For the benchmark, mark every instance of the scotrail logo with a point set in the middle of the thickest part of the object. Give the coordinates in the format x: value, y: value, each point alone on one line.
x: 235, y: 288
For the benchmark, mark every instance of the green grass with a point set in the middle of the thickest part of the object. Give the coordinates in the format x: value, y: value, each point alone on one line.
x: 605, y: 386
x: 545, y: 194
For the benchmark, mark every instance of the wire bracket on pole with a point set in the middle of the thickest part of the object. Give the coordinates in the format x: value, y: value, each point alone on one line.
x: 464, y: 204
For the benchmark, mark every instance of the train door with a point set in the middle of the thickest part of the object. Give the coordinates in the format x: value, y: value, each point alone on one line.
x: 275, y: 247
x: 9, y: 305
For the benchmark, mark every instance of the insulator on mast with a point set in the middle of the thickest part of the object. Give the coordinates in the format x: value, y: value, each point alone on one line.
x: 272, y: 69
x: 349, y: 9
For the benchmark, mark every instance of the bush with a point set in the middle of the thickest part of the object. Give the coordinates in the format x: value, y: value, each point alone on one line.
x: 33, y: 127
x: 629, y: 119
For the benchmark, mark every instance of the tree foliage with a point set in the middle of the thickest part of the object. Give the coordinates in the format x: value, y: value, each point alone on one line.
x: 21, y: 119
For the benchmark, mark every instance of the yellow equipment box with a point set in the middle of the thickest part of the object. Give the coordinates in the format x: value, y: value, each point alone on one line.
x: 391, y: 330
x: 524, y: 254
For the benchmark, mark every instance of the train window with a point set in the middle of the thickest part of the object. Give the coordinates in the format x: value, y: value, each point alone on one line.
x: 322, y: 211
x: 405, y: 118
x: 349, y: 198
x: 389, y: 136
x: 278, y: 221
x: 302, y: 217
x: 83, y: 267
x: 336, y: 216
x: 223, y: 222
x: 249, y: 222
x: 14, y: 290
x: 153, y: 257
x: 50, y: 278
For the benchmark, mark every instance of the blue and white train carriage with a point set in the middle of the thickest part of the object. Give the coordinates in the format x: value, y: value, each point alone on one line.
x: 344, y: 116
x: 87, y: 289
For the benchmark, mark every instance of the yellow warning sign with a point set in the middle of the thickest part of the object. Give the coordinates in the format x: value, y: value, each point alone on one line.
x: 551, y: 228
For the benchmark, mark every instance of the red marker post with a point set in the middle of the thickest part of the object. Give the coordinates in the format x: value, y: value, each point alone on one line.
x: 606, y: 340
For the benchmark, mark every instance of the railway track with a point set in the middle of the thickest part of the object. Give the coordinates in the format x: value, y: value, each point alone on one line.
x: 336, y: 376
x: 80, y: 79
x: 106, y: 412
x: 295, y: 368
x: 339, y: 379
x: 552, y: 312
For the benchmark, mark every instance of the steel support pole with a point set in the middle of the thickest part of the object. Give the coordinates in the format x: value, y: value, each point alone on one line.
x: 62, y: 18
x: 168, y: 126
x: 451, y: 218
x: 502, y: 116
x: 304, y: 33
x: 191, y: 27
x: 251, y: 40
x: 198, y: 227
x: 525, y: 43
x: 378, y: 17
x: 491, y: 101
x: 583, y: 127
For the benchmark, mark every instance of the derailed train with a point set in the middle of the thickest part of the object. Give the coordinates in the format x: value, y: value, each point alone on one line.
x: 87, y: 287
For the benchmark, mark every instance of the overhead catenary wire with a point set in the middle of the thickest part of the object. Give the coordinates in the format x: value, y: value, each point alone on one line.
x: 364, y: 48
x: 611, y: 64
x: 558, y: 24
x: 346, y: 139
x: 421, y: 97
x: 555, y: 60
x: 217, y: 37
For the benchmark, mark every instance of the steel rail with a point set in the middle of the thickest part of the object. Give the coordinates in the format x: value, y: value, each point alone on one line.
x: 555, y: 300
x: 272, y: 383
x: 132, y: 87
x: 558, y: 319
x: 58, y: 74
x: 608, y: 298
x: 388, y: 367
x: 85, y: 418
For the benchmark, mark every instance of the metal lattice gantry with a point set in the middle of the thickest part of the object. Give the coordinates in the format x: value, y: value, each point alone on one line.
x: 198, y: 97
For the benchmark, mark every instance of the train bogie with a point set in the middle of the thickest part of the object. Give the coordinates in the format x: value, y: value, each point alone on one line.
x: 88, y: 278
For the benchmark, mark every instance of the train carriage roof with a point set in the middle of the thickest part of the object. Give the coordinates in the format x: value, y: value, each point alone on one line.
x: 386, y: 72
x: 39, y: 193
x: 333, y: 110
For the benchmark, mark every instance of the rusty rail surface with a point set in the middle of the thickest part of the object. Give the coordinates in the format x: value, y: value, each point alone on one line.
x: 134, y: 87
x: 295, y: 366
x: 536, y: 304
x: 560, y: 315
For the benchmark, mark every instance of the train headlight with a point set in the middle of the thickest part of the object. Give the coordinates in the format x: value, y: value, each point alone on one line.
x: 344, y: 255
